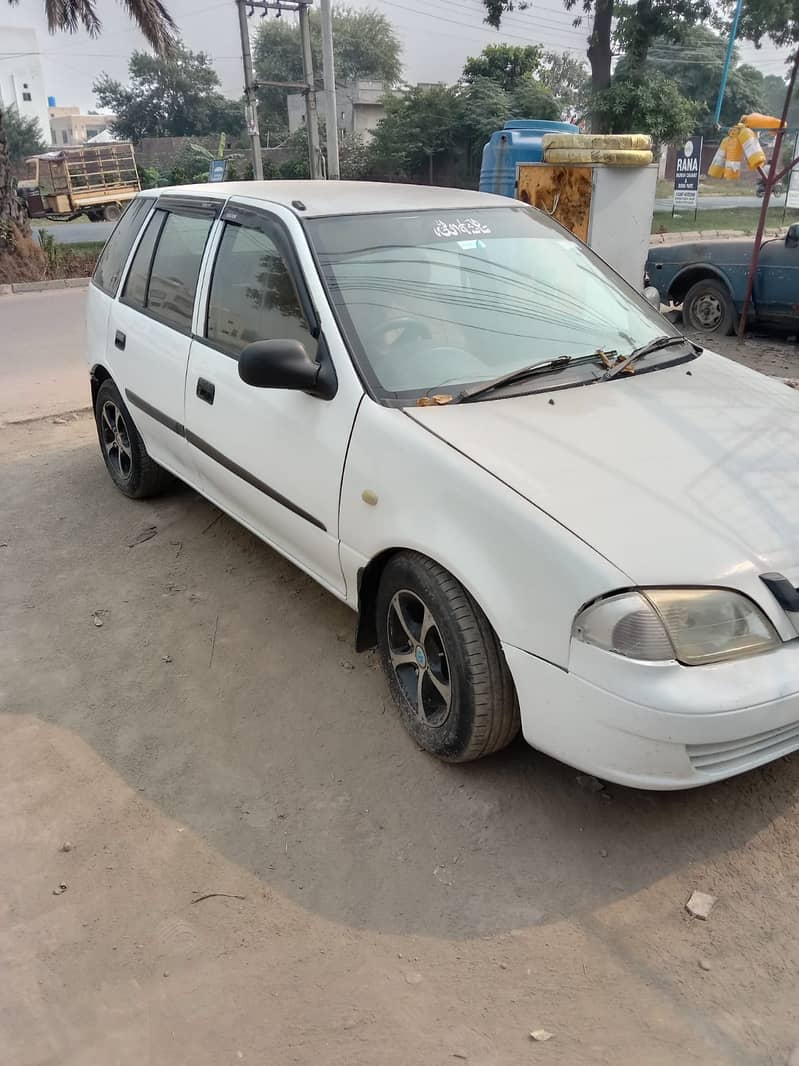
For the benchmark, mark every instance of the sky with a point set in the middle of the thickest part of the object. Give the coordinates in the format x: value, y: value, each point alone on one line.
x: 437, y: 36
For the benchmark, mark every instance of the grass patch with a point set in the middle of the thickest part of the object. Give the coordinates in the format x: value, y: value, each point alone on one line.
x: 740, y: 218
x: 68, y: 260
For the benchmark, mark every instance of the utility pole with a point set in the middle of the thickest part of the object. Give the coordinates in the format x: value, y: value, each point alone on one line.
x: 250, y: 96
x: 311, y: 117
x: 329, y: 76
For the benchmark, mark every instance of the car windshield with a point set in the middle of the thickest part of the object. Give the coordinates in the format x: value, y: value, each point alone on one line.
x: 444, y: 300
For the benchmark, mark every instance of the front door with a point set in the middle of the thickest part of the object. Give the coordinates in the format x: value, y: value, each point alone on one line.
x: 273, y: 458
x: 777, y: 284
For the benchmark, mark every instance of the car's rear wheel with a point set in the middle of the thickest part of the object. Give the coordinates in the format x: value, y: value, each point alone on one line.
x: 443, y: 662
x: 708, y: 308
x: 132, y: 470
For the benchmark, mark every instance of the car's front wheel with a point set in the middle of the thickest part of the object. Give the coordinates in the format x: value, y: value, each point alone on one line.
x: 126, y: 459
x: 443, y: 661
x: 708, y: 308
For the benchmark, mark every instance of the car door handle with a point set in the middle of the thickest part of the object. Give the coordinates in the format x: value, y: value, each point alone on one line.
x: 205, y: 390
x: 119, y: 340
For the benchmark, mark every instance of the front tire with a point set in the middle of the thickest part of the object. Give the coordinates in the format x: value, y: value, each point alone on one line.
x: 132, y: 470
x: 443, y: 662
x: 708, y: 308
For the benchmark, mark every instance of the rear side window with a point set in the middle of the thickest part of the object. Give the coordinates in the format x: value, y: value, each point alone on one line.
x: 164, y: 283
x: 113, y: 257
x: 252, y: 294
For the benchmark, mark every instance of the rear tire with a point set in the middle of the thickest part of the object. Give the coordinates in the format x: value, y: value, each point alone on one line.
x: 132, y: 470
x: 443, y: 662
x: 708, y: 308
x: 112, y: 212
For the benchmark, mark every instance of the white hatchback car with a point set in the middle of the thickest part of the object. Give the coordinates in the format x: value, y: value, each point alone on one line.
x: 549, y: 509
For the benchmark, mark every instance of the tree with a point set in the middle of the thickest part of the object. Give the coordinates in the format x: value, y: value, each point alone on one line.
x: 696, y: 66
x: 504, y: 64
x: 419, y: 126
x: 531, y: 99
x: 155, y: 23
x: 567, y: 80
x: 169, y: 96
x: 648, y: 102
x: 364, y: 46
x: 630, y: 25
x: 23, y: 136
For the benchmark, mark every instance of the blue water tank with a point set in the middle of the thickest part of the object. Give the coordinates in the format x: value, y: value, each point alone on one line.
x: 520, y: 141
x: 51, y: 101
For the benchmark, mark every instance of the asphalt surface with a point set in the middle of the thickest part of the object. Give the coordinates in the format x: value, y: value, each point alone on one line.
x: 718, y: 203
x: 77, y: 232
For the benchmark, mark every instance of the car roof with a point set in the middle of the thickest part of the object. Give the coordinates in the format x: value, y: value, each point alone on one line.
x: 320, y: 198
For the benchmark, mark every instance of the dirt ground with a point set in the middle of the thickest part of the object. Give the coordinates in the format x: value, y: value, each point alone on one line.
x: 264, y: 868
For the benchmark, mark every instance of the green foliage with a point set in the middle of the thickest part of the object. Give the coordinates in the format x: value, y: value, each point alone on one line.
x: 531, y: 99
x: 777, y: 19
x: 23, y: 136
x: 177, y: 96
x: 567, y: 79
x: 364, y: 46
x: 507, y: 65
x: 418, y: 126
x: 696, y: 65
x: 646, y: 102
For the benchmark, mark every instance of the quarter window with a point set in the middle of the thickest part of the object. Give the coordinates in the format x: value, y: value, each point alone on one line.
x: 112, y: 259
x: 252, y: 294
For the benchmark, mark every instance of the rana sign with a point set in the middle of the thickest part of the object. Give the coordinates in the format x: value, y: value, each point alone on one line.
x: 686, y: 174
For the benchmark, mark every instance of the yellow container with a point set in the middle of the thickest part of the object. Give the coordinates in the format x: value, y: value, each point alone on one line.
x: 756, y: 121
x: 717, y: 164
x: 753, y: 153
x: 732, y: 166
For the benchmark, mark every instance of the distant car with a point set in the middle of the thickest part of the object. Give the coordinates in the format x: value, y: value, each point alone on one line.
x: 709, y: 279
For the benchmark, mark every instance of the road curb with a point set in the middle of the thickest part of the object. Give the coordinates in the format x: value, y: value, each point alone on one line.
x: 43, y: 286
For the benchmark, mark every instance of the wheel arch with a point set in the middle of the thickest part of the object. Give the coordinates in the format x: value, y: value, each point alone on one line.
x: 690, y: 275
x: 97, y: 375
x: 369, y: 582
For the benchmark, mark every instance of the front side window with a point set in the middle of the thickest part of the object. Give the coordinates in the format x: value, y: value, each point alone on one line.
x: 164, y: 272
x: 441, y: 301
x: 252, y: 295
x: 112, y: 259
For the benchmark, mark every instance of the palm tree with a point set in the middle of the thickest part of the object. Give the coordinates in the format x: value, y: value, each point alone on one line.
x: 155, y: 23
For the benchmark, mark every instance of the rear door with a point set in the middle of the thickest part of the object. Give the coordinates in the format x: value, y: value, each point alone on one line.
x: 272, y: 458
x: 150, y: 329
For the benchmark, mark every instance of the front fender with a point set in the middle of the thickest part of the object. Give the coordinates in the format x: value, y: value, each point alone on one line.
x: 529, y: 574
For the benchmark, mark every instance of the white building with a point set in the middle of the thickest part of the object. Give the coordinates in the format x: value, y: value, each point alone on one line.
x: 21, y: 76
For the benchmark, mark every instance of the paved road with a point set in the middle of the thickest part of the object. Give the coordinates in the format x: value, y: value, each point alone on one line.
x: 718, y: 203
x: 42, y: 368
x: 77, y: 232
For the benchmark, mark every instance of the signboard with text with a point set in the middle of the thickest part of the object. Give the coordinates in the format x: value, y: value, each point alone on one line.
x: 686, y: 175
x: 217, y: 170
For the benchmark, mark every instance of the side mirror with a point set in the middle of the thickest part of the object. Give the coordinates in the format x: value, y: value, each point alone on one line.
x: 278, y: 365
x: 792, y: 236
x: 652, y: 296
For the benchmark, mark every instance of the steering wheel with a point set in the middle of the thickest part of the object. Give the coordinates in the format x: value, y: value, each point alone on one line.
x: 410, y: 329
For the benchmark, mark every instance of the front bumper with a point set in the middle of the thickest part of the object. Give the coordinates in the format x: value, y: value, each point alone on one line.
x: 660, y: 725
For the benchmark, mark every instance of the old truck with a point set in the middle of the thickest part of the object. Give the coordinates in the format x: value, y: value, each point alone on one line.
x: 709, y: 279
x: 95, y: 180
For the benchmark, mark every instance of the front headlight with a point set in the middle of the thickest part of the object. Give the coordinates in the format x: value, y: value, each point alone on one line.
x: 695, y: 626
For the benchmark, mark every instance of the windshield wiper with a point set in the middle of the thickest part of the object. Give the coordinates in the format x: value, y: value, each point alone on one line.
x: 522, y: 373
x: 646, y: 349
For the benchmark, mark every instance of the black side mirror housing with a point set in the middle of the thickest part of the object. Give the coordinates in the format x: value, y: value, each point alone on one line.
x: 792, y: 236
x: 285, y: 364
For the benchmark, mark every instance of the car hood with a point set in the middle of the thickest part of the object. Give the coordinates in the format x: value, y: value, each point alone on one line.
x: 684, y: 475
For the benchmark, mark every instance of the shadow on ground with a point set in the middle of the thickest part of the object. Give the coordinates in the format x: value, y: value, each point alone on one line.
x: 222, y: 684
